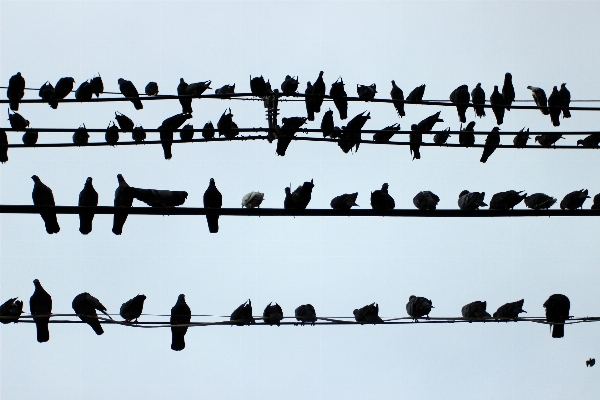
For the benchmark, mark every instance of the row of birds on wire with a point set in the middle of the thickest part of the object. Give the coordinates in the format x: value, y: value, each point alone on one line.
x: 298, y: 199
x: 86, y: 306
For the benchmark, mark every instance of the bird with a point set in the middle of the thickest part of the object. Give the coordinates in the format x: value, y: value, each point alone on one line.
x: 539, y: 96
x: 132, y: 309
x: 186, y: 100
x: 521, y: 138
x: 258, y: 86
x: 478, y: 96
x: 318, y: 92
x: 596, y: 204
x: 386, y: 133
x: 243, y: 314
x: 187, y: 133
x: 591, y: 362
x: 40, y: 307
x: 253, y: 199
x: 42, y: 196
x: 508, y: 90
x: 84, y: 92
x: 97, y: 85
x: 539, y: 201
x: 427, y: 124
x: 289, y: 85
x: 288, y: 203
x: 17, y: 121
x: 81, y: 136
x: 416, y: 96
x: 46, y: 92
x: 476, y: 310
x: 460, y: 96
x: 167, y: 128
x: 196, y: 89
x: 138, y: 134
x: 306, y: 314
x: 492, y: 141
x: 159, y: 198
x: 225, y: 90
x: 85, y: 306
x: 549, y: 139
x: 554, y: 106
x: 381, y: 200
x: 327, y: 125
x: 557, y: 312
x: 565, y: 100
x: 180, y: 315
x: 125, y: 123
x: 398, y: 96
x: 368, y: 314
x: 151, y: 89
x: 510, y: 310
x: 30, y: 137
x: 426, y: 201
x: 418, y: 307
x: 441, y: 138
x: 415, y: 138
x: 344, y: 202
x: 208, y: 132
x: 574, y: 200
x: 212, y: 199
x: 123, y: 199
x: 470, y: 201
x: 11, y: 310
x: 15, y: 90
x: 351, y: 133
x: 506, y: 200
x: 273, y: 314
x: 498, y: 105
x: 591, y: 141
x: 309, y: 101
x: 88, y: 197
x: 302, y: 195
x: 128, y: 89
x: 290, y: 126
x: 225, y: 125
x: 63, y: 87
x: 3, y: 146
x: 366, y: 93
x: 338, y: 94
x: 466, y: 137
x: 111, y: 135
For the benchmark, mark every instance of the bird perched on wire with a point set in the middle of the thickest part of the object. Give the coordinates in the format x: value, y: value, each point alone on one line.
x: 416, y: 96
x: 554, y: 106
x: 418, y: 307
x: 381, y: 199
x: 11, y: 310
x: 351, y: 133
x: 475, y: 310
x: 309, y: 101
x: 498, y: 104
x: 30, y: 137
x: 40, y: 306
x: 596, y: 204
x: 441, y: 138
x: 167, y: 129
x: 123, y: 199
x: 196, y: 89
x: 539, y: 201
x: 386, y: 133
x: 492, y: 141
x: 426, y: 201
x: 132, y: 309
x: 471, y: 201
x: 243, y: 314
x: 478, y: 96
x: 591, y: 141
x: 97, y: 85
x: 17, y: 121
x: 159, y: 198
x: 549, y: 139
x: 208, y: 131
x: 85, y: 306
x: 461, y: 97
x: 84, y: 92
x: 187, y: 133
x: 416, y: 136
x: 225, y: 125
x: 63, y: 87
x: 253, y: 200
x: 506, y: 200
x: 46, y: 92
x: 225, y: 90
x: 565, y: 100
x: 111, y: 135
x: 212, y: 199
x: 574, y: 200
x: 557, y: 312
x: 88, y: 197
x: 327, y: 125
x: 344, y: 201
x: 508, y: 90
x: 366, y: 93
x: 306, y: 314
x: 181, y: 314
x: 368, y: 314
x: 510, y: 310
x: 151, y: 89
x: 138, y: 134
x: 299, y: 198
x: 184, y: 98
x: 466, y: 137
x: 521, y: 138
x: 3, y: 146
x: 398, y: 96
x: 128, y: 89
x: 319, y: 93
x: 289, y: 85
x: 42, y: 196
x: 539, y: 96
x: 288, y: 130
x: 339, y: 95
x: 15, y: 90
x: 259, y: 87
x: 273, y: 314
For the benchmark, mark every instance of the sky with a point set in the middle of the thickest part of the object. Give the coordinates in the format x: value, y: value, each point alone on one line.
x: 335, y: 263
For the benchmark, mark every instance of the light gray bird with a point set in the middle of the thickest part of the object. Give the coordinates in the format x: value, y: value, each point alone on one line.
x: 253, y: 200
x: 539, y: 96
x: 539, y: 201
x: 574, y: 200
x: 426, y: 201
x: 470, y: 201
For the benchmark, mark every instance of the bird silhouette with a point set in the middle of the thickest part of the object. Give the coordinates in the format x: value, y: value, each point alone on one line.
x: 88, y: 197
x: 40, y: 306
x: 471, y: 201
x: 180, y: 315
x: 498, y: 104
x: 85, y: 306
x: 128, y: 89
x: 508, y: 90
x: 42, y: 196
x: 539, y: 201
x: 574, y: 200
x: 339, y: 95
x: 397, y: 95
x: 492, y: 141
x: 557, y: 312
x: 506, y: 200
x: 418, y: 307
x: 510, y: 310
x: 212, y: 199
x: 539, y: 96
x: 478, y: 96
x: 466, y: 137
x: 123, y: 199
x: 132, y: 309
x: 381, y: 199
x: 460, y: 96
x: 15, y: 90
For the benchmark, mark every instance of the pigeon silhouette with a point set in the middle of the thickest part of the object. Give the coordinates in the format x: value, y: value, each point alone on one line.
x: 386, y: 133
x: 319, y: 93
x: 40, y: 306
x: 258, y: 86
x: 520, y: 140
x: 416, y: 96
x: 132, y: 309
x: 508, y: 90
x: 498, y: 104
x: 418, y: 307
x: 151, y: 89
x: 591, y: 362
x: 366, y: 93
x: 243, y: 314
x: 565, y: 100
x: 212, y: 199
x: 475, y: 310
x: 225, y: 125
x: 460, y: 96
x: 492, y: 141
x: 252, y: 200
x: 42, y: 196
x: 368, y: 314
x: 180, y: 315
x: 557, y: 312
x: 30, y: 137
x: 125, y: 123
x: 225, y: 90
x: 186, y: 101
x: 15, y: 90
x: 471, y: 201
x: 97, y: 85
x: 11, y: 310
x: 17, y: 121
x: 426, y: 201
x: 289, y: 85
x: 466, y: 137
x: 381, y: 200
x: 591, y: 141
x: 128, y: 89
x: 351, y: 133
x: 46, y: 92
x: 510, y: 310
x: 327, y: 124
x: 88, y: 197
x: 309, y: 102
x: 84, y: 92
x: 306, y: 314
x: 478, y: 96
x: 398, y: 96
x: 138, y: 134
x: 506, y: 200
x: 287, y: 131
x: 208, y: 132
x: 344, y: 202
x: 539, y: 96
x: 3, y: 146
x: 111, y: 135
x: 441, y: 138
x: 338, y: 94
x: 549, y: 139
x: 574, y: 200
x: 273, y: 314
x: 63, y: 87
x: 167, y: 128
x: 159, y: 198
x: 596, y: 204
x: 123, y: 199
x: 555, y: 106
x: 196, y: 89
x: 187, y: 133
x: 85, y: 306
x: 302, y: 195
x: 539, y: 201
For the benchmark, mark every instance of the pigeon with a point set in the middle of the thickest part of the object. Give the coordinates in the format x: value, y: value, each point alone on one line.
x: 225, y: 90
x: 17, y: 121
x: 327, y: 125
x: 85, y: 306
x: 11, y: 310
x: 288, y: 203
x: 196, y: 89
x: 520, y: 140
x: 318, y: 92
x: 123, y: 198
x: 88, y: 197
x: 253, y: 200
x: 151, y: 89
x: 224, y: 126
x: 208, y: 132
x: 46, y: 92
x: 289, y: 85
x: 397, y: 95
x: 125, y: 123
x: 416, y: 96
x: 591, y: 362
x: 302, y: 195
x: 42, y: 196
x: 84, y: 92
x: 591, y: 141
x: 187, y: 133
x: 306, y: 314
x: 97, y: 85
x: 492, y: 141
x: 574, y: 200
x: 258, y: 87
x: 167, y: 128
x: 540, y: 99
x: 3, y: 146
x: 344, y: 202
x: 426, y: 201
x: 427, y: 124
x: 557, y: 312
x: 549, y: 139
x: 338, y: 94
x: 539, y: 201
x: 476, y: 310
x: 40, y: 306
x: 212, y: 199
x: 112, y: 134
x: 441, y: 138
x: 381, y: 200
x: 470, y: 201
x: 366, y: 93
x: 386, y: 133
x: 368, y: 314
x: 30, y: 137
x: 466, y: 137
x: 510, y: 310
x: 418, y: 307
x: 596, y: 205
x: 63, y: 87
x: 132, y: 309
x: 273, y: 314
x: 287, y: 131
x: 243, y: 314
x: 565, y: 100
x: 15, y: 90
x: 554, y: 106
x: 498, y: 105
x: 351, y: 133
x: 460, y: 96
x: 180, y: 315
x: 415, y: 138
x: 508, y: 90
x: 138, y: 134
x: 128, y: 89
x: 478, y: 96
x: 506, y: 200
x: 186, y: 101
x: 159, y: 198
x: 309, y: 102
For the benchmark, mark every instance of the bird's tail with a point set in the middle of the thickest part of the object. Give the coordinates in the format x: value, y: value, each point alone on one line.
x: 138, y: 104
x: 95, y: 324
x: 213, y: 223
x: 85, y: 223
x: 14, y: 105
x: 43, y: 333
x: 118, y: 222
x: 558, y: 331
x: 555, y: 119
x: 53, y: 104
x: 51, y: 223
x: 177, y: 341
x: 566, y: 113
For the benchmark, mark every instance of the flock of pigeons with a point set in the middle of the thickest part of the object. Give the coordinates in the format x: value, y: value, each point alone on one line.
x: 85, y: 306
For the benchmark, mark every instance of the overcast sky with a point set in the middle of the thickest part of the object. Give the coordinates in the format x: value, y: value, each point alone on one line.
x: 337, y: 264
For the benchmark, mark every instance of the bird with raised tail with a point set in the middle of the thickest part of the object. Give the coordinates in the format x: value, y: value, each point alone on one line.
x: 368, y: 314
x: 243, y: 314
x: 510, y: 310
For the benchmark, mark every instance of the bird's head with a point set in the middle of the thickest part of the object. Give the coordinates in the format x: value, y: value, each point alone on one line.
x: 463, y: 193
x: 88, y: 181
x: 121, y: 80
x: 35, y: 178
x: 36, y: 282
x: 212, y: 182
x: 181, y: 297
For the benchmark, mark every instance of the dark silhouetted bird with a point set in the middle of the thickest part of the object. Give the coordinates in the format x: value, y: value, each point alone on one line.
x: 397, y: 95
x: 557, y: 312
x: 591, y: 141
x: 426, y: 201
x: 125, y: 123
x: 42, y: 196
x: 478, y: 97
x: 252, y: 199
x: 386, y: 133
x: 17, y: 121
x: 97, y: 85
x: 416, y: 96
x: 289, y: 85
x: 225, y: 89
x: 309, y: 102
x: 327, y: 124
x: 471, y: 201
x: 427, y: 124
x: 508, y: 90
x: 167, y: 128
x: 306, y: 314
x: 212, y: 199
x: 554, y: 106
x: 258, y: 86
x: 208, y: 132
x: 187, y: 133
x: 574, y: 200
x: 85, y: 306
x: 138, y: 134
x: 88, y: 197
x: 84, y: 92
x: 549, y: 139
x: 381, y: 200
x: 132, y: 309
x: 225, y: 125
x: 319, y: 92
x: 273, y: 314
x: 565, y: 100
x: 243, y: 314
x: 539, y: 201
x: 418, y: 307
x: 287, y: 131
x: 3, y: 146
x: 368, y: 314
x: 460, y: 96
x: 11, y: 310
x: 288, y: 202
x: 46, y: 92
x: 40, y: 306
x: 30, y: 137
x: 510, y: 310
x: 498, y: 105
x: 416, y: 136
x: 506, y: 200
x: 591, y: 362
x: 441, y: 138
x: 128, y: 89
x: 344, y: 202
x: 466, y: 137
x: 492, y: 141
x: 596, y: 204
x: 123, y: 198
x: 520, y: 140
x: 475, y: 309
x: 351, y: 133
x: 63, y: 87
x: 186, y: 102
x: 339, y: 95
x: 151, y: 89
x: 540, y: 99
x: 159, y: 198
x: 111, y: 135
x: 366, y: 93
x: 180, y: 315
x: 15, y: 90
x: 299, y: 198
